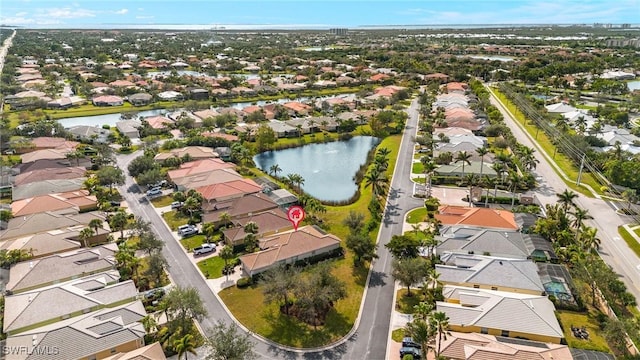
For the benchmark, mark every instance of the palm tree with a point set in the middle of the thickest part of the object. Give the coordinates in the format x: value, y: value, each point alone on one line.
x: 566, y: 199
x: 119, y: 221
x: 377, y: 180
x: 85, y: 235
x: 149, y: 323
x: 297, y: 180
x: 514, y: 180
x: 226, y: 254
x: 185, y: 345
x: 275, y: 169
x: 580, y: 215
x: 95, y: 224
x: 208, y: 229
x: 76, y: 154
x: 463, y: 157
x: 225, y: 219
x: 500, y: 169
x: 482, y: 152
x: 588, y: 239
x: 489, y: 182
x: 471, y: 180
x: 440, y: 323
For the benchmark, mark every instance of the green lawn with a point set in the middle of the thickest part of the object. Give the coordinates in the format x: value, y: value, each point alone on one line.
x: 192, y: 241
x: 561, y: 160
x: 267, y: 320
x: 175, y: 219
x: 417, y: 168
x: 595, y: 342
x: 162, y: 201
x: 404, y: 303
x: 212, y: 267
x: 417, y: 215
x: 630, y: 240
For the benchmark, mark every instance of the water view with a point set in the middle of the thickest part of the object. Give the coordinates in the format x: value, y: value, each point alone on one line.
x: 633, y: 85
x: 328, y: 168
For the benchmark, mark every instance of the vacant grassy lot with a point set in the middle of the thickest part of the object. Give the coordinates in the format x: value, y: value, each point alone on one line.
x: 267, y: 320
x: 162, y: 201
x: 175, y: 219
x: 595, y: 342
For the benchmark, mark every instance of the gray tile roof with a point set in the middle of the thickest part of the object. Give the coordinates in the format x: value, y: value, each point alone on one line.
x: 46, y: 187
x: 509, y: 244
x: 491, y: 271
x: 497, y: 310
x: 83, y: 336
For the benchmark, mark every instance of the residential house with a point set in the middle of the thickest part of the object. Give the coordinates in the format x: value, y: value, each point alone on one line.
x: 178, y: 115
x: 198, y: 94
x: 460, y: 169
x: 150, y: 352
x: 491, y: 273
x: 50, y: 164
x: 221, y: 135
x: 560, y: 108
x: 94, y: 335
x: 195, y: 174
x: 53, y: 269
x: 61, y: 173
x: 437, y: 77
x: 493, y: 312
x: 297, y: 108
x: 170, y: 96
x: 494, y: 242
x: 47, y: 142
x: 221, y: 192
x: 193, y: 152
x: 557, y: 282
x: 129, y: 128
x: 268, y: 222
x: 304, y: 125
x: 282, y: 129
x: 288, y: 248
x: 46, y: 154
x: 239, y: 207
x: 107, y: 100
x: 282, y: 197
x: 456, y: 87
x: 206, y: 114
x: 60, y: 301
x: 140, y: 99
x: 40, y: 188
x: 90, y: 133
x: 18, y: 227
x: 478, y: 217
x: 68, y: 202
x: 472, y: 346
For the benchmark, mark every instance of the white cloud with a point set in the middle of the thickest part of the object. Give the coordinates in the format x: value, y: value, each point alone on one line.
x: 21, y: 14
x: 65, y: 13
x: 144, y: 17
x: 121, y: 11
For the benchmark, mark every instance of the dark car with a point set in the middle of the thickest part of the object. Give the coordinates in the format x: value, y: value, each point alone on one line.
x: 408, y: 342
x: 416, y: 353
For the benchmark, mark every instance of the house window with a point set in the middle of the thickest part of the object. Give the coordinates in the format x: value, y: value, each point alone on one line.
x: 484, y: 330
x: 113, y: 350
x: 494, y: 288
x: 476, y: 286
x: 505, y: 333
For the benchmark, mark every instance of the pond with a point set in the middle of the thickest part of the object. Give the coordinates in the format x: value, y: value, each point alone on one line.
x: 633, y: 85
x: 328, y: 168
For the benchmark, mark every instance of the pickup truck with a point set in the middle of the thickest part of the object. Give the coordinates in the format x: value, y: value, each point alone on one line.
x: 204, y: 249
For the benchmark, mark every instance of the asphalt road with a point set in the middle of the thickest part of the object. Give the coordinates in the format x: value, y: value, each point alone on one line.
x: 613, y: 250
x: 369, y: 341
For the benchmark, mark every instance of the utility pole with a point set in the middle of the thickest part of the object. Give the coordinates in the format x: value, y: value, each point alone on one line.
x: 580, y: 172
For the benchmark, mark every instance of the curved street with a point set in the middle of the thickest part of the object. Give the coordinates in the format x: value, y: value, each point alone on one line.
x: 369, y: 340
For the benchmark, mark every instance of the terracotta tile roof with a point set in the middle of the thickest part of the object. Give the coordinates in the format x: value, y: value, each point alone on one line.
x: 46, y: 142
x: 287, y: 247
x: 45, y: 154
x: 229, y: 189
x: 213, y: 134
x: 297, y: 106
x: 196, y: 153
x: 379, y: 77
x: 268, y: 222
x: 253, y: 203
x: 482, y: 217
x: 457, y: 86
x: 68, y: 202
x: 49, y: 174
x: 198, y: 167
x: 158, y: 122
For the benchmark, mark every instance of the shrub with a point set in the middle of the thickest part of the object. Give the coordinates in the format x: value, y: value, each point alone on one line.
x: 244, y: 282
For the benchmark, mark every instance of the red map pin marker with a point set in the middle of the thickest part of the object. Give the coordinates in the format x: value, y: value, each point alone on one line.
x: 295, y: 215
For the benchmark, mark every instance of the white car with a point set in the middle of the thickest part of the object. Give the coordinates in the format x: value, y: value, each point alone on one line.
x: 204, y: 249
x: 154, y: 192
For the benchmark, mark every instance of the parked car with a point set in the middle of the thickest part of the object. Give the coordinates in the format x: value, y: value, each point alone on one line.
x: 408, y: 342
x: 176, y: 205
x: 187, y: 230
x: 154, y: 192
x: 416, y: 353
x: 204, y: 249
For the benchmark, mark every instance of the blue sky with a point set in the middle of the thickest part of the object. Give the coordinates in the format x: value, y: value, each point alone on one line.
x: 309, y: 13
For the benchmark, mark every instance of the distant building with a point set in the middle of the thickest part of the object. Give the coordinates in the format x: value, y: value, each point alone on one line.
x: 623, y: 42
x: 339, y: 31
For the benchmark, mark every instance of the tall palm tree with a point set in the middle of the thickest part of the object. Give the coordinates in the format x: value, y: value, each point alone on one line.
x: 580, y: 215
x: 274, y: 170
x: 225, y: 219
x: 500, y: 170
x: 489, y: 182
x: 471, y: 180
x: 119, y: 221
x: 566, y: 199
x: 377, y: 180
x: 514, y: 179
x: 440, y: 323
x: 149, y: 324
x: 226, y: 254
x: 85, y: 235
x: 185, y: 345
x: 95, y: 224
x: 428, y: 167
x: 588, y: 239
x: 463, y: 157
x: 482, y: 152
